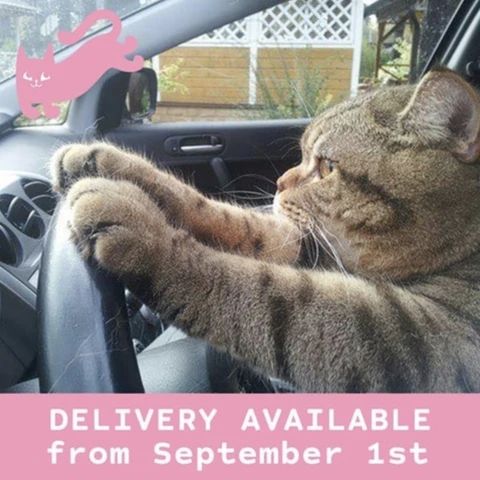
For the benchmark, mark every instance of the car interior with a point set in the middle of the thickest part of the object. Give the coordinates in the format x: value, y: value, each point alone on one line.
x: 56, y: 328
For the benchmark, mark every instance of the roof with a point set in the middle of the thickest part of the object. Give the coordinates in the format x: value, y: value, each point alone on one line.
x: 385, y: 9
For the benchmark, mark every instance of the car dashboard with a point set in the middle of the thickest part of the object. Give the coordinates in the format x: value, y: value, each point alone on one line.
x: 26, y: 207
x: 27, y: 204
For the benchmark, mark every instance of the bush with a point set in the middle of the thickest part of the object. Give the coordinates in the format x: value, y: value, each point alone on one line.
x: 170, y: 76
x: 291, y: 96
x: 398, y: 67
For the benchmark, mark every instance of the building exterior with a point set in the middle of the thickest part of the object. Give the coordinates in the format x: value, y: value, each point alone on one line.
x: 267, y: 53
x: 289, y: 54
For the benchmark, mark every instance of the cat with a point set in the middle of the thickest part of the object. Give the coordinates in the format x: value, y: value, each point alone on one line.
x: 42, y: 81
x: 390, y: 179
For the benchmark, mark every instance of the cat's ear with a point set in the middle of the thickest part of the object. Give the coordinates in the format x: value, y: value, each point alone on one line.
x: 445, y: 108
x: 49, y: 53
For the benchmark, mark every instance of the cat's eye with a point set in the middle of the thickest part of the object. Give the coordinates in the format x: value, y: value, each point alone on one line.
x: 44, y: 78
x: 326, y: 167
x: 27, y: 77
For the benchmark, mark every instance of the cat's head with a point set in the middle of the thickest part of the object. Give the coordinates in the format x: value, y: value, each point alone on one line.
x: 35, y: 72
x: 390, y: 179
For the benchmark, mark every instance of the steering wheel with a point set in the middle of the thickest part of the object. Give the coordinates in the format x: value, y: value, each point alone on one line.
x: 85, y: 343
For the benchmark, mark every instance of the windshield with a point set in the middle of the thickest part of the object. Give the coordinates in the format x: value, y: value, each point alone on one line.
x: 35, y: 24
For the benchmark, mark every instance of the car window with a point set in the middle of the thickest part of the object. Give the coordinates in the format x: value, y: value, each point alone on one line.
x: 297, y: 58
x: 290, y: 61
x: 35, y: 24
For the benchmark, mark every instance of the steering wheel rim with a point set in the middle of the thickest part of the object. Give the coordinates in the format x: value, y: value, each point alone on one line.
x: 85, y: 343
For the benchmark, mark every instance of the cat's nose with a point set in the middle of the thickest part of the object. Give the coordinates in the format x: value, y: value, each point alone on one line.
x: 281, y: 184
x: 288, y: 180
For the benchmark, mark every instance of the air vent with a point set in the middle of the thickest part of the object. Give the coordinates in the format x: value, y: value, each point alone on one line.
x: 40, y: 193
x: 23, y: 216
x: 9, y: 247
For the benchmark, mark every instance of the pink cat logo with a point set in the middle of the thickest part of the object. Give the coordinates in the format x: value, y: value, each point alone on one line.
x: 42, y: 81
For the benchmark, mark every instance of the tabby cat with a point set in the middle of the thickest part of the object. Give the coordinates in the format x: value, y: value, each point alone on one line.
x: 389, y: 181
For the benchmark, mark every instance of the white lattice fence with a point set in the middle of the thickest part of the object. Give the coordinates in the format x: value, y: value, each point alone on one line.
x: 293, y: 24
x: 313, y: 22
x: 236, y: 33
x: 297, y: 22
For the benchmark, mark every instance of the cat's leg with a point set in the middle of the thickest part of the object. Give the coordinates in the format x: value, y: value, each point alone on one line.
x: 51, y: 111
x: 323, y: 331
x: 217, y: 224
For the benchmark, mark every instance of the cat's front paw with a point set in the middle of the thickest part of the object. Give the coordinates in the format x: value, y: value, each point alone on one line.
x: 75, y: 161
x: 116, y: 224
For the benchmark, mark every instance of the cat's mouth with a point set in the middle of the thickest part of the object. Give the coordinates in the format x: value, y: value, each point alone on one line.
x: 36, y: 85
x: 280, y: 210
x: 287, y: 209
x: 322, y: 236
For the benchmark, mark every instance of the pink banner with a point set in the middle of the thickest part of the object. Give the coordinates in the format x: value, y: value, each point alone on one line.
x: 239, y: 436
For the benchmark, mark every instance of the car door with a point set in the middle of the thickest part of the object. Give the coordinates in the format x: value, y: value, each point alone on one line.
x: 244, y: 92
x: 238, y: 161
x: 234, y: 102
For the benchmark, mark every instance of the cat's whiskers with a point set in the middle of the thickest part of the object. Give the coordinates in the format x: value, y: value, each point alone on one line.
x: 340, y: 243
x: 325, y: 234
x: 90, y: 132
x: 249, y: 192
x: 314, y: 256
x: 311, y: 247
x: 249, y: 195
x: 288, y: 241
x: 249, y: 175
x: 320, y: 233
x: 269, y: 194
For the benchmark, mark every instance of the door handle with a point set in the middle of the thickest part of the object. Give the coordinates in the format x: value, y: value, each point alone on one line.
x: 194, y: 145
x: 199, y: 149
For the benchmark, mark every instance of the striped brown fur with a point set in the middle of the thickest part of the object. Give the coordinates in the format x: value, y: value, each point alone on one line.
x: 388, y: 191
